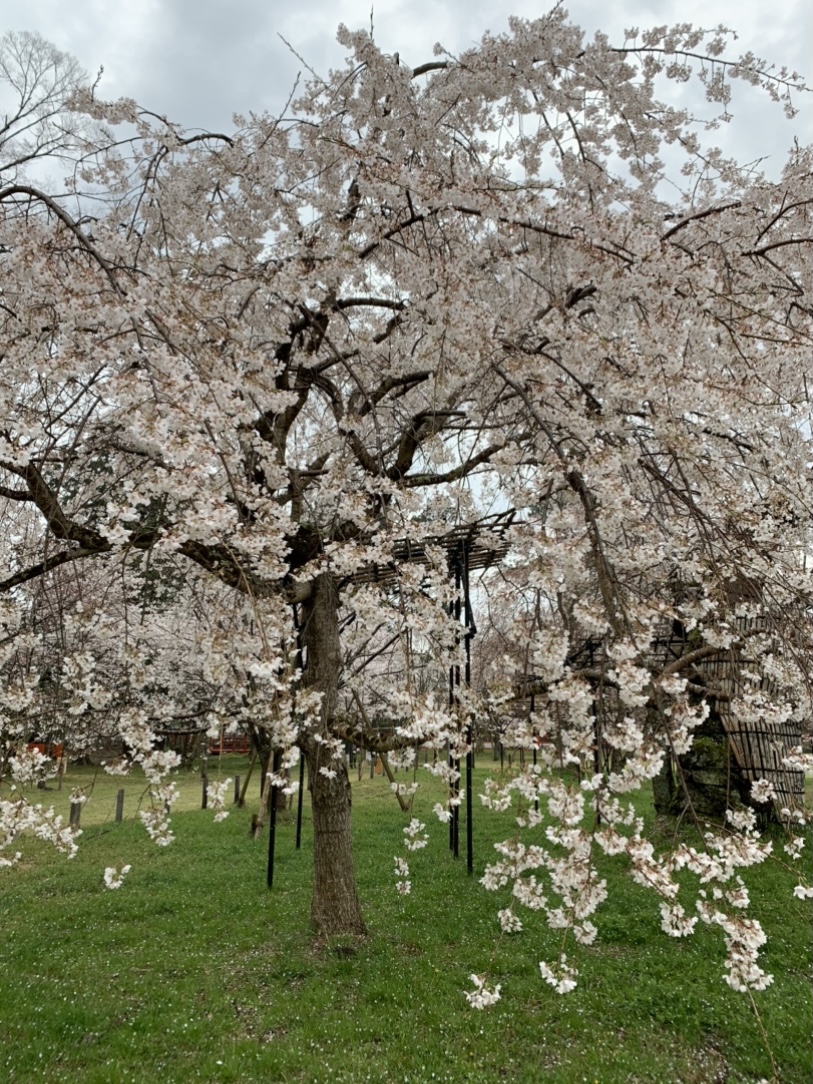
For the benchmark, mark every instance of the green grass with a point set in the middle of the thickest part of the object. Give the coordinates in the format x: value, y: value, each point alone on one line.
x: 194, y: 971
x: 102, y: 789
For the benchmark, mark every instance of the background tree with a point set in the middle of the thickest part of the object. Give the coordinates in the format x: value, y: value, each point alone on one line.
x: 36, y: 81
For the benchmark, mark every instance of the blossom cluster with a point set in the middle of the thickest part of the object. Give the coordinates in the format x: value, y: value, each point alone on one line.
x: 114, y: 878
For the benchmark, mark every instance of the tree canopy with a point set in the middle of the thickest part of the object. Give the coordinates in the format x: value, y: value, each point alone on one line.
x: 282, y: 365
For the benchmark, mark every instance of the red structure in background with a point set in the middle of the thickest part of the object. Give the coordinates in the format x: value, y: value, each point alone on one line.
x: 47, y: 748
x: 230, y: 743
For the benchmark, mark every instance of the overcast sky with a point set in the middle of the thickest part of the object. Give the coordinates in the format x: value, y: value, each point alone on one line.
x: 200, y: 61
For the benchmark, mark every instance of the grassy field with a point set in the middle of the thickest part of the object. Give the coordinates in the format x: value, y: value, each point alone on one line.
x: 195, y: 971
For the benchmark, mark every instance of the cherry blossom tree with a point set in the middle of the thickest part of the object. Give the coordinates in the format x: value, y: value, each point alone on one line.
x: 300, y: 357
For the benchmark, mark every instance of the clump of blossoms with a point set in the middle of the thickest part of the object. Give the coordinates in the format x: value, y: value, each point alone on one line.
x: 217, y: 798
x: 156, y: 818
x: 78, y: 796
x: 556, y: 875
x: 566, y: 865
x: 762, y: 790
x: 509, y: 921
x: 561, y: 977
x: 403, y: 885
x: 482, y: 996
x: 114, y: 878
x: 19, y: 816
x: 415, y: 837
x: 30, y: 766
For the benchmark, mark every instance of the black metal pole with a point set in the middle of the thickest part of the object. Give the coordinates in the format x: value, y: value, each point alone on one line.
x: 533, y: 732
x: 453, y: 807
x: 272, y: 818
x: 458, y: 576
x: 450, y: 758
x: 300, y: 794
x: 299, y: 798
x: 470, y: 630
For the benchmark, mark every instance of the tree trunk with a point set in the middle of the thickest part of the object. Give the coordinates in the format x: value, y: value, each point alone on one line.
x: 712, y: 776
x: 665, y: 788
x: 707, y: 775
x: 335, y: 908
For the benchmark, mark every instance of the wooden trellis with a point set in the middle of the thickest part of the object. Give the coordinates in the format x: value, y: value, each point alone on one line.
x: 466, y: 549
x: 759, y: 746
x: 484, y: 542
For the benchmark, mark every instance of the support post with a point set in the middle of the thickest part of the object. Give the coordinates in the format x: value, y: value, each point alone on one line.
x: 299, y: 800
x: 470, y: 631
x: 272, y: 817
x: 204, y: 791
x: 454, y: 702
x: 301, y: 792
x: 533, y: 732
x: 119, y: 806
x: 241, y: 800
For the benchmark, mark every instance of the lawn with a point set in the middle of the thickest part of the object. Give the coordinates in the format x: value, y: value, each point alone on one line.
x: 195, y: 971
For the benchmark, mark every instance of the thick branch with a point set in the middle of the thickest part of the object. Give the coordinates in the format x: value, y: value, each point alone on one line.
x: 700, y: 214
x: 430, y: 66
x: 374, y: 741
x: 465, y: 468
x: 15, y: 494
x: 34, y: 571
x: 362, y: 403
x: 58, y: 522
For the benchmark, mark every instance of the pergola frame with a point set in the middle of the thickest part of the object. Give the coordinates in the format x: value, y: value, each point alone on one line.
x: 472, y: 548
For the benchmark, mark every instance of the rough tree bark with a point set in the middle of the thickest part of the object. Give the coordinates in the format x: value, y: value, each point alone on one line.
x: 712, y: 779
x: 335, y: 906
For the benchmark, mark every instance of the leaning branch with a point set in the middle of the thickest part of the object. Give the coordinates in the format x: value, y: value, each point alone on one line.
x: 34, y: 571
x: 374, y: 741
x: 66, y: 220
x: 430, y: 66
x: 696, y: 218
x: 777, y: 244
x: 412, y: 481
